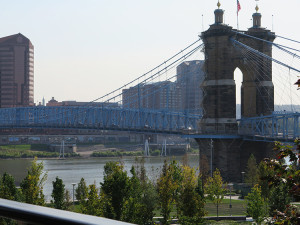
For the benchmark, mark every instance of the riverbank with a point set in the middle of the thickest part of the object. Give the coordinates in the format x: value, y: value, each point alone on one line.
x: 83, y: 151
x: 30, y: 152
x: 118, y: 150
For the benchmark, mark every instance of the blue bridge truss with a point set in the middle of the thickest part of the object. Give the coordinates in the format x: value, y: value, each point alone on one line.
x: 280, y: 126
x: 98, y: 118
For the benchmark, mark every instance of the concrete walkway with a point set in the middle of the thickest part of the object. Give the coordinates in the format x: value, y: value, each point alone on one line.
x: 235, y: 197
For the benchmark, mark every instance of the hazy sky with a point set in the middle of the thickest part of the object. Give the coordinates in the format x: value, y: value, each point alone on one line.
x: 85, y: 48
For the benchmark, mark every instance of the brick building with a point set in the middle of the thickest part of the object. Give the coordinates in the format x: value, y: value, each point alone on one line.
x: 16, y: 71
x: 182, y: 95
x: 158, y: 95
x: 190, y: 75
x: 54, y: 102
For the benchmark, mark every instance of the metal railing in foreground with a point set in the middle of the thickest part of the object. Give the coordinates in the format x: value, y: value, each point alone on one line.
x: 34, y: 214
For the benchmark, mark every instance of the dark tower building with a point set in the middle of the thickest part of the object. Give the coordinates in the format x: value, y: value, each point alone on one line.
x: 190, y: 76
x: 222, y: 57
x: 16, y: 71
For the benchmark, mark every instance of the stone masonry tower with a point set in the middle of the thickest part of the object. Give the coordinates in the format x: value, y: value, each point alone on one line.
x: 222, y: 57
x: 221, y: 60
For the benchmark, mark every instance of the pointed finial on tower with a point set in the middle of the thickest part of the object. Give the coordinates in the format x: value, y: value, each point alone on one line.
x: 219, y: 14
x: 256, y: 8
x: 256, y: 17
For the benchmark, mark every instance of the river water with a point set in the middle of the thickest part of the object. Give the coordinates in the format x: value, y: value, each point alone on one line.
x: 91, y: 169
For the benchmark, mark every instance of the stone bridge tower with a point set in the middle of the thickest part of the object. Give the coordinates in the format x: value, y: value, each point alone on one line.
x: 219, y: 102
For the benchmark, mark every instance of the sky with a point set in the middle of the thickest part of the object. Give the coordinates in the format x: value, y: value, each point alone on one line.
x: 86, y: 48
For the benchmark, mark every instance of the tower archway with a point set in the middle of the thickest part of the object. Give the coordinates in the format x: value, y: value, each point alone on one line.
x: 230, y: 70
x: 238, y: 78
x: 222, y: 58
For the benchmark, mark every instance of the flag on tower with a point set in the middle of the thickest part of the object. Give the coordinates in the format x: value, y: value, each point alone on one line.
x: 238, y: 6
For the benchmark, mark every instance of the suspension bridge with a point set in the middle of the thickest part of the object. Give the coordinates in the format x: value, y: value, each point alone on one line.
x: 269, y: 71
x: 130, y: 114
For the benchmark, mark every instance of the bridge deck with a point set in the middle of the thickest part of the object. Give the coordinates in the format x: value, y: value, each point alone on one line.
x: 281, y: 126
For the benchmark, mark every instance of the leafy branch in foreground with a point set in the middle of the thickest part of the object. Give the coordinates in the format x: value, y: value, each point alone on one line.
x: 287, y: 176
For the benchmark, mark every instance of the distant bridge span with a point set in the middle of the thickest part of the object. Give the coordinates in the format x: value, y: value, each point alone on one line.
x: 105, y: 118
x: 280, y: 126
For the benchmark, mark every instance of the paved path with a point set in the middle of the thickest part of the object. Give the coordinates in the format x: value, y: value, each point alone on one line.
x: 235, y: 197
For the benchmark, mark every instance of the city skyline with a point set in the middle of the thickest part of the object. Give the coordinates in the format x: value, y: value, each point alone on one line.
x: 79, y: 45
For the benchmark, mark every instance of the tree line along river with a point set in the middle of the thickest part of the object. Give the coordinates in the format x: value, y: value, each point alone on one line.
x: 91, y: 169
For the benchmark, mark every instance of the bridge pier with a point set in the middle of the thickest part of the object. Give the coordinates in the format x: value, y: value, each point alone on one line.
x: 230, y: 152
x: 230, y: 156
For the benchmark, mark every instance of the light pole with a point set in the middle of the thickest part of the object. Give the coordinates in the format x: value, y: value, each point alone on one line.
x: 211, y: 157
x: 230, y: 206
x: 73, y: 191
x: 243, y: 174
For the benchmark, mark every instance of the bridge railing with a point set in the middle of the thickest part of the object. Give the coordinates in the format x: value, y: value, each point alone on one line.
x: 278, y: 126
x: 32, y: 214
x: 97, y: 118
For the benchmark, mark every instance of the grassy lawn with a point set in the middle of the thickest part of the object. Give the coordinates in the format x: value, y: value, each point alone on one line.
x: 238, y: 208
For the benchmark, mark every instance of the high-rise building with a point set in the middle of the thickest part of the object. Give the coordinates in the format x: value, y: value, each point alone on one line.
x: 182, y: 95
x: 16, y: 71
x: 159, y: 95
x: 190, y: 75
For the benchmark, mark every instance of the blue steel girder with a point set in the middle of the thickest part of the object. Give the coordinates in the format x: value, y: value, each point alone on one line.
x: 281, y: 126
x: 97, y: 118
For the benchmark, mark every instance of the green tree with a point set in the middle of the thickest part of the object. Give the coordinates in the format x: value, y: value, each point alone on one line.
x: 214, y: 189
x: 289, y: 216
x: 279, y: 199
x: 264, y: 172
x: 286, y: 176
x: 68, y: 201
x: 132, y: 205
x: 92, y: 205
x: 8, y: 191
x: 190, y: 203
x: 176, y: 175
x: 33, y: 183
x: 204, y: 169
x: 148, y: 198
x: 8, y: 188
x: 167, y: 188
x: 81, y: 191
x: 140, y: 169
x: 200, y: 186
x: 149, y: 203
x: 285, y: 173
x: 114, y: 190
x: 140, y: 204
x: 58, y: 193
x: 251, y: 176
x: 256, y: 206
